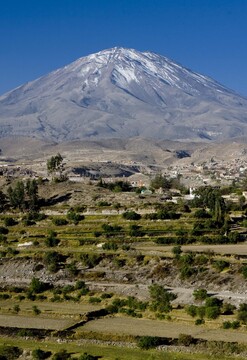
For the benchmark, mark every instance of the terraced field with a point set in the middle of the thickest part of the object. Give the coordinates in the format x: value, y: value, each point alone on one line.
x: 92, y: 271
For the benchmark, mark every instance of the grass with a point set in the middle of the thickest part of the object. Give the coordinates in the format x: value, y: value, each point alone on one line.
x: 108, y: 352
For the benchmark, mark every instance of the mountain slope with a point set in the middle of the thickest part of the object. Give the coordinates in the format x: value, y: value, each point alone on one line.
x: 123, y: 93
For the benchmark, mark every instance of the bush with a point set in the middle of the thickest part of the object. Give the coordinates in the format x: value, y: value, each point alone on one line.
x: 213, y: 301
x: 74, y: 217
x: 61, y: 355
x: 148, y: 342
x: 110, y: 246
x: 220, y: 265
x: 186, y: 271
x: 106, y: 296
x: 9, y: 221
x: 90, y: 260
x: 8, y: 352
x: 191, y: 310
x: 244, y: 271
x: 37, y: 286
x: 116, y: 186
x: 87, y: 356
x: 200, y: 294
x: 16, y: 309
x: 177, y: 251
x: 242, y: 313
x: 36, y: 216
x: 72, y: 268
x: 231, y: 325
x: 94, y: 300
x: 25, y: 333
x: 185, y: 340
x: 201, y: 214
x: 228, y: 309
x: 235, y: 324
x: 212, y: 312
x: 103, y: 203
x: 51, y: 239
x: 36, y: 310
x: 201, y: 312
x: 3, y: 239
x: 164, y: 240
x: 52, y: 259
x: 39, y: 354
x: 135, y: 230
x: 4, y: 296
x: 59, y: 221
x: 227, y: 325
x: 131, y: 215
x: 111, y: 229
x: 4, y: 230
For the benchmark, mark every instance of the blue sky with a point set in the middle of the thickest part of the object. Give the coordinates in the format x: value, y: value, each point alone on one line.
x: 207, y: 36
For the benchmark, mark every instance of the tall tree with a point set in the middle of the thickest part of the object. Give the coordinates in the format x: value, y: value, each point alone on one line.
x: 160, y: 181
x: 55, y: 165
x: 24, y: 196
x: 2, y: 201
x: 32, y: 194
x: 17, y: 195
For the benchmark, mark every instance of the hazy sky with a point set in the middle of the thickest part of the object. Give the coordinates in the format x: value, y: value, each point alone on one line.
x: 207, y: 36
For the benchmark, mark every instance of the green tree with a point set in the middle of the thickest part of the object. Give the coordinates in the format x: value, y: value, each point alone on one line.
x: 23, y: 196
x: 160, y: 181
x: 212, y: 312
x: 201, y: 311
x: 208, y: 197
x: 17, y: 195
x: 37, y: 286
x: 160, y: 298
x: 32, y: 194
x: 52, y: 259
x: 3, y: 201
x: 55, y: 165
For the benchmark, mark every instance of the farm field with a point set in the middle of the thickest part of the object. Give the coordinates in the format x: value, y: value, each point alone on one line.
x: 226, y: 249
x: 144, y: 327
x: 28, y: 322
x: 50, y: 309
x: 118, y: 273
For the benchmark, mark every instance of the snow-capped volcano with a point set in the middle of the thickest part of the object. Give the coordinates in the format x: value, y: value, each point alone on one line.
x: 123, y: 93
